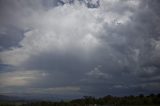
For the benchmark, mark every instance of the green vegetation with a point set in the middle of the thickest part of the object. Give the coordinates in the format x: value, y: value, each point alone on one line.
x: 150, y: 100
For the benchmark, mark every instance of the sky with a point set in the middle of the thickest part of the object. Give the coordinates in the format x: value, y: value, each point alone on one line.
x: 75, y: 48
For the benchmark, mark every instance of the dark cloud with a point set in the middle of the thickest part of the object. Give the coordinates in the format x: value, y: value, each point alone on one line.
x: 126, y: 62
x: 10, y: 37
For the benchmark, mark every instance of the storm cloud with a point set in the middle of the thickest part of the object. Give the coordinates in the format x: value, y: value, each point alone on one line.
x: 79, y: 47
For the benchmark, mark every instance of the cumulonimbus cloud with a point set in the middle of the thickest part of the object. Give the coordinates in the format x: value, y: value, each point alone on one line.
x: 64, y: 28
x: 68, y: 40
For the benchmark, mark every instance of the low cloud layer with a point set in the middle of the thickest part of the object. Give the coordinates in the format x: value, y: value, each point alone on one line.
x: 84, y: 47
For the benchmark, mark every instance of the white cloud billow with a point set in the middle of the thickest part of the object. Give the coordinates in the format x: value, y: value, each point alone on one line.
x: 67, y: 28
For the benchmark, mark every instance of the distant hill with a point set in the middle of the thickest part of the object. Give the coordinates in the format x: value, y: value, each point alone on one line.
x: 27, y: 98
x: 9, y: 98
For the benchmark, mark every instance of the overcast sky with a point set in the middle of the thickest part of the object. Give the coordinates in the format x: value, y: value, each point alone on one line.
x: 72, y: 48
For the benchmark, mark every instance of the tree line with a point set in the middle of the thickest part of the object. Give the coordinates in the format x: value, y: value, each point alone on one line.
x: 108, y: 100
